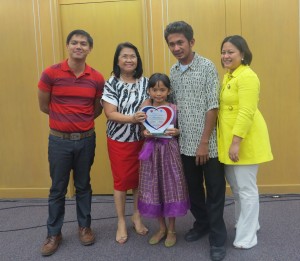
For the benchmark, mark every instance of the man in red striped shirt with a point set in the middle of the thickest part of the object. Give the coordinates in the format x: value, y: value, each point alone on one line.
x: 70, y: 92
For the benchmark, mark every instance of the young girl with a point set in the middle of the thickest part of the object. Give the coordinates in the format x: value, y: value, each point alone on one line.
x: 162, y: 187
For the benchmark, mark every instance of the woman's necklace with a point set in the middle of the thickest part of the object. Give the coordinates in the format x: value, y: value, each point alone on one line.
x: 129, y: 86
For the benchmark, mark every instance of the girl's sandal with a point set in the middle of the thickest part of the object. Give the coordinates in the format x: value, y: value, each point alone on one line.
x: 157, y: 237
x: 171, y: 239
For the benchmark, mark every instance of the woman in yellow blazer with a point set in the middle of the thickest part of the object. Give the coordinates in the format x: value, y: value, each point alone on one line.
x: 243, y: 140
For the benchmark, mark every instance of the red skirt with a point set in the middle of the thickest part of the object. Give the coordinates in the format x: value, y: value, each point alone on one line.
x: 124, y: 163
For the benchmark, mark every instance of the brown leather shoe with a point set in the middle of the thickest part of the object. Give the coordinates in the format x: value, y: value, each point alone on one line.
x: 51, y: 245
x: 86, y: 236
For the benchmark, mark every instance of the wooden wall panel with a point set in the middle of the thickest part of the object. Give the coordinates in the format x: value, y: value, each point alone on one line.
x: 24, y: 167
x: 272, y: 30
x: 156, y: 15
x: 233, y: 17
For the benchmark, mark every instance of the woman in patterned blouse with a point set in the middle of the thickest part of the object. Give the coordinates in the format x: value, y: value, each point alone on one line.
x: 123, y: 94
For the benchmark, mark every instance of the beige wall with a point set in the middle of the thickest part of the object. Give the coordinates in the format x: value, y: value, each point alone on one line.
x: 29, y: 36
x: 34, y: 39
x: 275, y: 44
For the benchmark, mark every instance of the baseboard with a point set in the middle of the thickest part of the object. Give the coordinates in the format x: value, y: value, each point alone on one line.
x: 279, y: 189
x: 44, y: 192
x: 27, y: 193
x: 274, y: 189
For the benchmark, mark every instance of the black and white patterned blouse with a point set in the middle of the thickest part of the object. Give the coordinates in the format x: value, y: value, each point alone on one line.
x: 127, y: 97
x: 195, y: 91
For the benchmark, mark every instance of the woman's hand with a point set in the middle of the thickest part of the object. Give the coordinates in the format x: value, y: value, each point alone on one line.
x: 138, y: 117
x: 235, y: 148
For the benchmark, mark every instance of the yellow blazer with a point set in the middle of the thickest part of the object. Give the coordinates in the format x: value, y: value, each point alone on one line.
x: 239, y: 115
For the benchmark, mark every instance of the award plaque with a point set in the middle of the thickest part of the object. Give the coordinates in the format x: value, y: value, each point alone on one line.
x: 158, y: 119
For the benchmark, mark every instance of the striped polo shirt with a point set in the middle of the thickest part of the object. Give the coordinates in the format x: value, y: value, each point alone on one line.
x: 71, y: 107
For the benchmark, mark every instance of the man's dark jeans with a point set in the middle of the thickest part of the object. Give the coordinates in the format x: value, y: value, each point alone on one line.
x: 65, y: 155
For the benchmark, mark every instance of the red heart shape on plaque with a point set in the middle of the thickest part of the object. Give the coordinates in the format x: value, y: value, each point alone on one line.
x: 158, y: 118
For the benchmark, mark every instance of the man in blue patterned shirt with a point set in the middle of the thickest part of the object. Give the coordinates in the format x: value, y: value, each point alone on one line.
x: 195, y: 90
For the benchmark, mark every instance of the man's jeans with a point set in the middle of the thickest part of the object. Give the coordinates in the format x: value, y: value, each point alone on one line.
x: 65, y: 155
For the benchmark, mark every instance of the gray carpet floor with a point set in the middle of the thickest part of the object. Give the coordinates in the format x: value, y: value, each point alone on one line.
x: 23, y: 230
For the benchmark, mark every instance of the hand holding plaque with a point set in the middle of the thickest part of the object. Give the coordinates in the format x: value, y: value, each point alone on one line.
x: 158, y: 119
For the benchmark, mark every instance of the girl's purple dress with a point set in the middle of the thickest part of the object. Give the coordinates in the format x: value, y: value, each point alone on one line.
x: 162, y: 186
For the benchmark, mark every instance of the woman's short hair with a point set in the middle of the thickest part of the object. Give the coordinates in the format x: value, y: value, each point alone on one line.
x: 240, y: 43
x: 116, y: 69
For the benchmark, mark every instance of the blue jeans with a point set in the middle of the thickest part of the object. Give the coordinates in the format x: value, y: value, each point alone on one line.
x: 65, y: 155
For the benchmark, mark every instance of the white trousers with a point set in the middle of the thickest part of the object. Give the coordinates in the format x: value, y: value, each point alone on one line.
x: 242, y: 181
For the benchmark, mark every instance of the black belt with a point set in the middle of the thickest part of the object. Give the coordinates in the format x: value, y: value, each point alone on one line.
x: 74, y: 135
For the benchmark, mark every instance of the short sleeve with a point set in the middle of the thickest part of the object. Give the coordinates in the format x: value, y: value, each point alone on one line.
x: 45, y: 83
x: 110, y: 94
x: 212, y: 87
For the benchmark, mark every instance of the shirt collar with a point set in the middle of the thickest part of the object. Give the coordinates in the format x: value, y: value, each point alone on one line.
x: 192, y: 64
x: 237, y: 71
x: 65, y: 67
